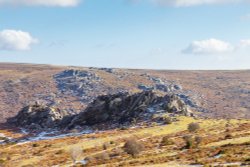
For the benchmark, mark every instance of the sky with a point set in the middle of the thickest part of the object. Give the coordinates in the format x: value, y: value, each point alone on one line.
x: 146, y: 34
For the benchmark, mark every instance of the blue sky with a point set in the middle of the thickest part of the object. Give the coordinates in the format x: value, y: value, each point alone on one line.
x: 158, y: 34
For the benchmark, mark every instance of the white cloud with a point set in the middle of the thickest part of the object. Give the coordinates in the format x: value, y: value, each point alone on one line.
x: 210, y: 46
x: 69, y: 3
x: 187, y: 3
x: 245, y: 43
x: 246, y: 17
x: 13, y: 40
x: 61, y: 3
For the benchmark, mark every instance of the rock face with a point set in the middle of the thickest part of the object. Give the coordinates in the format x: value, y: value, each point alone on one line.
x: 123, y: 108
x: 38, y: 117
x: 110, y: 110
x: 160, y: 85
x: 78, y: 83
x: 84, y: 85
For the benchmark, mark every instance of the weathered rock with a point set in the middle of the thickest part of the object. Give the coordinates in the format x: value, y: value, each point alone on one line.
x: 145, y: 88
x: 111, y: 110
x: 156, y: 80
x: 82, y: 84
x: 162, y: 87
x: 73, y: 72
x: 187, y: 100
x: 177, y: 87
x: 176, y: 105
x: 38, y: 117
x: 109, y: 70
x: 123, y: 108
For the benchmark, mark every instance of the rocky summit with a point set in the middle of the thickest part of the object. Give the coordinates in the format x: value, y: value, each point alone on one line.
x: 108, y: 110
x: 123, y: 108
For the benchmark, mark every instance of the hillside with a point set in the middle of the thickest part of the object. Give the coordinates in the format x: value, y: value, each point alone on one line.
x: 221, y: 143
x: 224, y: 94
x: 79, y: 116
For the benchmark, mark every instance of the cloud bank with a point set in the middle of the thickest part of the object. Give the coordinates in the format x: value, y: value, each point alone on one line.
x: 60, y: 3
x: 189, y: 3
x: 12, y: 40
x: 245, y: 43
x: 210, y: 46
x: 72, y: 3
x: 246, y: 17
x: 186, y: 3
x: 215, y: 46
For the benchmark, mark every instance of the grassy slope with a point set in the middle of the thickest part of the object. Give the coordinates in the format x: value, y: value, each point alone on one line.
x: 54, y: 152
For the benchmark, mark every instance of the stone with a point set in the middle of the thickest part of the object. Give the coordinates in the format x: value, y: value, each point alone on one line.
x: 145, y: 88
x: 176, y: 105
x: 162, y: 87
x: 108, y: 70
x: 38, y: 117
x: 177, y: 87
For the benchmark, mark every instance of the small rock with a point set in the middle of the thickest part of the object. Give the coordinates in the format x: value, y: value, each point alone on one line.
x: 145, y: 88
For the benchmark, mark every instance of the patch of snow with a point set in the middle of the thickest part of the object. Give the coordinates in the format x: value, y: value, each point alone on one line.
x: 6, y: 138
x: 217, y: 156
x: 24, y: 131
x: 151, y: 110
x: 160, y: 111
x: 227, y: 164
x: 51, y: 136
x: 83, y: 162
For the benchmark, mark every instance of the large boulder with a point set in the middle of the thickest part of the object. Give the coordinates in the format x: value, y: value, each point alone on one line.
x: 38, y: 117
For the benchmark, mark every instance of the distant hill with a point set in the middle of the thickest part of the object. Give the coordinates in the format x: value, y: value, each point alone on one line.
x: 213, y: 93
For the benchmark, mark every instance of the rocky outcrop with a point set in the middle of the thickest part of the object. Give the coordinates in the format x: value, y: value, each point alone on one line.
x: 38, y: 117
x: 123, y: 108
x: 78, y: 83
x: 83, y: 84
x: 110, y: 110
x: 160, y: 85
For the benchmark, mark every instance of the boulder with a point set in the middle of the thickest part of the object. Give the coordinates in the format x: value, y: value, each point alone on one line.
x: 38, y: 117
x: 177, y: 105
x: 162, y: 87
x: 74, y: 72
x: 108, y: 70
x: 177, y: 87
x: 145, y: 88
